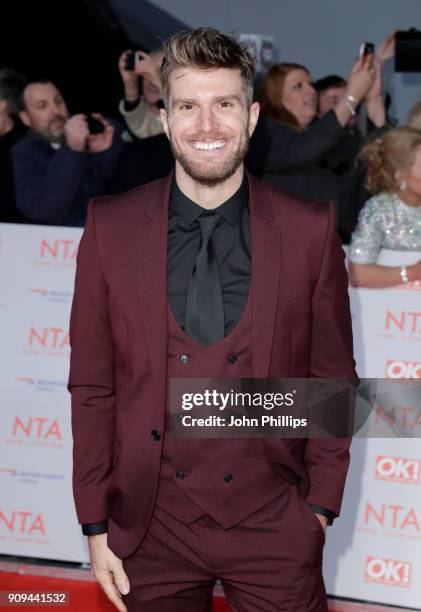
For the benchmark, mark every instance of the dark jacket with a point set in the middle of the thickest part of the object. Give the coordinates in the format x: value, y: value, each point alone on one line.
x: 8, y: 211
x: 290, y: 159
x: 54, y: 186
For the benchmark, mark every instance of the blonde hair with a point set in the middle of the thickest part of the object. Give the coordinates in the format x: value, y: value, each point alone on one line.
x: 384, y: 156
x: 207, y: 48
x: 414, y: 117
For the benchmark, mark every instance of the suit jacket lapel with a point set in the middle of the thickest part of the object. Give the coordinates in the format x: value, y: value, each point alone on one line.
x: 153, y: 278
x: 266, y: 260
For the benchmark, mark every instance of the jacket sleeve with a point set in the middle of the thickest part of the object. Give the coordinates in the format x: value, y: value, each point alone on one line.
x: 327, y: 459
x: 275, y: 147
x: 106, y: 162
x: 91, y: 382
x: 139, y: 121
x: 46, y: 188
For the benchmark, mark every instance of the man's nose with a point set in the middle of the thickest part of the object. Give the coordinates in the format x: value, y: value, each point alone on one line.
x: 207, y: 120
x: 55, y: 109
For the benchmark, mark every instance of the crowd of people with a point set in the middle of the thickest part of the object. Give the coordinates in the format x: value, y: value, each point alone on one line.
x: 326, y: 140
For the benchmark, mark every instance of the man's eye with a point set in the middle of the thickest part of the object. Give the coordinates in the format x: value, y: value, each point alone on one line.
x: 186, y: 106
x: 226, y: 103
x: 298, y: 86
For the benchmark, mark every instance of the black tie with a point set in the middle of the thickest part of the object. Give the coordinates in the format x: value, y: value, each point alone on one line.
x: 204, y: 307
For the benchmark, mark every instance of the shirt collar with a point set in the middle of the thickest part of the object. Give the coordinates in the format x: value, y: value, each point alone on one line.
x: 230, y: 210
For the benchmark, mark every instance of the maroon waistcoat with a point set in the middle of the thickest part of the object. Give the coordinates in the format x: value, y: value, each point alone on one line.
x: 227, y: 479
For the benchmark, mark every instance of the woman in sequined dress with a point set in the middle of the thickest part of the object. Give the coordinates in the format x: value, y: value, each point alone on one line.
x: 391, y: 219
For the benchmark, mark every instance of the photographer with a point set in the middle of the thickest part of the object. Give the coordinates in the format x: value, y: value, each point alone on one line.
x: 64, y: 161
x: 141, y: 112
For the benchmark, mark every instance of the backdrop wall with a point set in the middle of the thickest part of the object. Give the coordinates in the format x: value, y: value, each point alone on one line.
x: 373, y: 551
x: 324, y: 35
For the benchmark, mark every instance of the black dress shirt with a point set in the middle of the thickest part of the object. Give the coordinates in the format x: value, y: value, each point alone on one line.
x: 232, y: 243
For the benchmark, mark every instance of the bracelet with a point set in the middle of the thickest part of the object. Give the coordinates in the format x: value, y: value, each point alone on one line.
x: 351, y: 104
x: 404, y: 274
x: 350, y: 108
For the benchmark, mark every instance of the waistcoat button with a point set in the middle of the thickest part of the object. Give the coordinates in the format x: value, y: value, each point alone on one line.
x: 184, y: 359
x: 156, y: 435
x: 228, y: 477
x: 232, y: 358
x: 179, y: 474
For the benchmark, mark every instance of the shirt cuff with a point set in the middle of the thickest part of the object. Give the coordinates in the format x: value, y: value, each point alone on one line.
x: 91, y: 529
x: 323, y: 511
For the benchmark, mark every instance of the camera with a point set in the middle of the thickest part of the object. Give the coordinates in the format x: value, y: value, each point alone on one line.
x: 95, y: 126
x: 130, y: 61
x: 408, y: 51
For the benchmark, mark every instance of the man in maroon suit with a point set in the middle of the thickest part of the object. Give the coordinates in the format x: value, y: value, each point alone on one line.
x: 208, y: 273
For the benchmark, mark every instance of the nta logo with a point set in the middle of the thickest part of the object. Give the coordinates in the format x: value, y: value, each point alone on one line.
x: 403, y: 321
x: 23, y: 523
x: 39, y: 428
x: 48, y: 337
x: 65, y: 250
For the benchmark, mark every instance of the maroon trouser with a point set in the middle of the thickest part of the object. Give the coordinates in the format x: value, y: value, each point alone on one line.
x: 271, y: 561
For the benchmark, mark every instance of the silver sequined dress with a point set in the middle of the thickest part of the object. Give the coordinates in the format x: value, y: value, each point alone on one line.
x: 385, y: 222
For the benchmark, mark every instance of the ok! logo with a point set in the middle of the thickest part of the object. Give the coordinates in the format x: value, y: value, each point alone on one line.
x: 403, y: 369
x: 397, y: 469
x: 390, y: 572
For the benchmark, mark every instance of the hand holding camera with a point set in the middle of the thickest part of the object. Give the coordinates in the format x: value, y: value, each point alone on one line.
x: 101, y: 133
x: 147, y: 66
x: 361, y: 78
x: 88, y: 133
x: 76, y: 132
x: 126, y: 65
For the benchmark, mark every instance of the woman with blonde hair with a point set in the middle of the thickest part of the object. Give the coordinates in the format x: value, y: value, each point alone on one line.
x: 391, y: 219
x: 414, y: 117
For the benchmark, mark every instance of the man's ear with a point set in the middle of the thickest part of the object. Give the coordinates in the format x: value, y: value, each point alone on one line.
x: 24, y: 117
x: 253, y: 116
x: 164, y: 118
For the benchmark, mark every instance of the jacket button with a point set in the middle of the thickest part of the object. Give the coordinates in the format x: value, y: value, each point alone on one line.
x: 156, y: 435
x: 179, y: 474
x: 232, y: 358
x: 228, y: 477
x: 184, y: 359
x: 179, y: 417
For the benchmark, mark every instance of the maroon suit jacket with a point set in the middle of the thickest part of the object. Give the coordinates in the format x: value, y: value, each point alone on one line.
x: 301, y: 327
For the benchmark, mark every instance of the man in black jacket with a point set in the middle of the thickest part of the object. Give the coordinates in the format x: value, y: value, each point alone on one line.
x: 61, y: 164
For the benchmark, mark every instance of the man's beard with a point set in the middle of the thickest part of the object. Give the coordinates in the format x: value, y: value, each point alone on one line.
x: 52, y: 135
x: 215, y: 174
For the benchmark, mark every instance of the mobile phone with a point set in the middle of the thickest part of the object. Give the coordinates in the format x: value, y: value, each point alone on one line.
x: 95, y: 126
x: 366, y: 48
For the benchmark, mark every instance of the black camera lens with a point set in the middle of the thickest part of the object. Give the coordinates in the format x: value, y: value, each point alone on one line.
x: 130, y: 61
x: 95, y: 126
